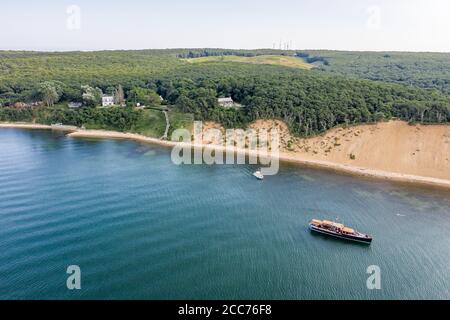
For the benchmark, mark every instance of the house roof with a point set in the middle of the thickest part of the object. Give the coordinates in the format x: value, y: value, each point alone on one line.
x: 225, y: 99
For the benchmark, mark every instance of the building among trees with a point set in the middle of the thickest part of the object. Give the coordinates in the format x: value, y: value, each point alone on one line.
x: 107, y: 101
x: 226, y: 102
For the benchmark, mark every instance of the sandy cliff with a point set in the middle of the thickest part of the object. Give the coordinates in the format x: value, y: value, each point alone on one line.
x: 394, y: 146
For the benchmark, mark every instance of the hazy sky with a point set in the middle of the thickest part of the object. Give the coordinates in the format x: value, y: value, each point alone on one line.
x: 407, y: 25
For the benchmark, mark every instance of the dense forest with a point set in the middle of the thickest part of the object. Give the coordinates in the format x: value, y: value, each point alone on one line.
x: 425, y: 70
x: 307, y: 102
x: 342, y: 88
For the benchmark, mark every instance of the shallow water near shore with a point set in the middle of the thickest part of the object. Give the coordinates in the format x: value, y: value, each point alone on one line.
x: 141, y: 227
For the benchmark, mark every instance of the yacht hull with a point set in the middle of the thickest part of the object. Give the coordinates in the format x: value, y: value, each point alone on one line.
x: 355, y: 238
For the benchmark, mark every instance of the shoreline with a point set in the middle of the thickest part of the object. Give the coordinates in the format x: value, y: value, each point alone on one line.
x: 337, y: 167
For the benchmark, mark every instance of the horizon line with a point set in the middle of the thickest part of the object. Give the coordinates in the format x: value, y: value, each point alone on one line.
x: 214, y: 48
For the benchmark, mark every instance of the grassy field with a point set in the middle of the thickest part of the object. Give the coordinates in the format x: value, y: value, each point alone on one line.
x: 179, y: 120
x: 278, y: 60
x: 152, y: 124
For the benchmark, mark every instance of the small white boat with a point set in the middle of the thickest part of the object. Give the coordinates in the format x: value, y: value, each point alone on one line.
x: 258, y: 175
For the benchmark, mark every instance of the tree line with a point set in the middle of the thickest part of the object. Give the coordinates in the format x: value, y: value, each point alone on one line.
x: 309, y: 101
x: 114, y: 118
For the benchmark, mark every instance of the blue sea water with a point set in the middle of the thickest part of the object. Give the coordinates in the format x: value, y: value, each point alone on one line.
x: 141, y: 227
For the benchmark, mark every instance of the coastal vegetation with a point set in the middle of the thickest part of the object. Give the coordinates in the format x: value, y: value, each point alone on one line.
x: 147, y: 122
x: 342, y: 88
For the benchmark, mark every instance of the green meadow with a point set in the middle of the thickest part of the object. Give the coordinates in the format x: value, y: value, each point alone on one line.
x: 278, y: 60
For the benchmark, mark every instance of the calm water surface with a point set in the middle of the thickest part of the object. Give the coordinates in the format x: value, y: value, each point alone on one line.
x: 141, y: 227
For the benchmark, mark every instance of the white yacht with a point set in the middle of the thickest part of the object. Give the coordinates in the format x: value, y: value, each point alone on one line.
x: 258, y: 175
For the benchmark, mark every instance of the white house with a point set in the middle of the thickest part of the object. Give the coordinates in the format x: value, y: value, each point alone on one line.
x: 107, y: 101
x: 226, y: 102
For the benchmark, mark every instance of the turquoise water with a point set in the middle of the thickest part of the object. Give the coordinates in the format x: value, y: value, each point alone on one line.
x: 140, y: 227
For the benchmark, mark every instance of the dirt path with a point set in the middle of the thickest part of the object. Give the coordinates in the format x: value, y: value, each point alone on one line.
x: 166, y: 132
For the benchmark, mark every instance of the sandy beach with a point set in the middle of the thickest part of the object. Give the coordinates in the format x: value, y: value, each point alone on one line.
x: 298, y: 157
x: 20, y: 125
